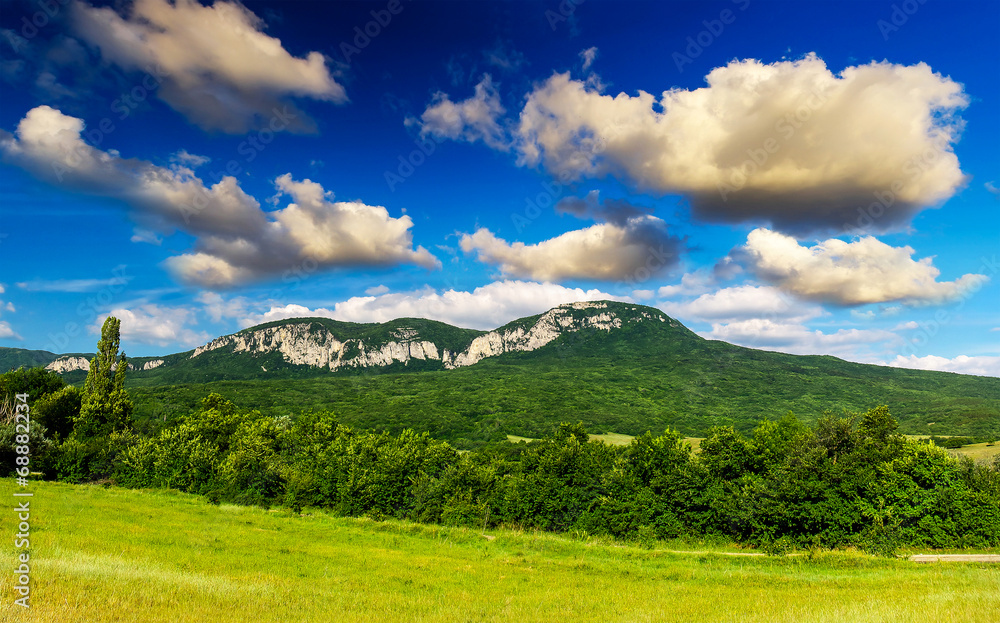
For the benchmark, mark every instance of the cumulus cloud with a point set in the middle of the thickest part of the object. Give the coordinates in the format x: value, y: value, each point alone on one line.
x: 6, y: 331
x: 470, y: 120
x: 635, y: 250
x: 588, y: 57
x: 213, y: 63
x: 740, y: 303
x: 155, y: 324
x: 691, y: 284
x: 237, y: 242
x: 788, y: 143
x: 486, y: 307
x: 962, y: 364
x: 850, y: 273
x: 796, y: 338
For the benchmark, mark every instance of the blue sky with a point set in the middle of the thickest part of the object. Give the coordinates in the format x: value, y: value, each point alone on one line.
x: 809, y: 177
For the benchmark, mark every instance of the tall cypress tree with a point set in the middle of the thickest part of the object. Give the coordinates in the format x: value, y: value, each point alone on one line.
x: 106, y: 406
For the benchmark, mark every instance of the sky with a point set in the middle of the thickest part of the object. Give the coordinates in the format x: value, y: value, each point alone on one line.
x: 805, y: 177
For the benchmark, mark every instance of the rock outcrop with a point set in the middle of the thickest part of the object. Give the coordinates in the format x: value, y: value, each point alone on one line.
x: 311, y: 344
x: 69, y: 364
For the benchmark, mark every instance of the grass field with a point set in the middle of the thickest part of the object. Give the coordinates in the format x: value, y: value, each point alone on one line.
x: 119, y: 555
x: 978, y: 451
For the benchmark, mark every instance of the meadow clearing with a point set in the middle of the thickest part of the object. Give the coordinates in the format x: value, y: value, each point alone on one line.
x: 109, y: 554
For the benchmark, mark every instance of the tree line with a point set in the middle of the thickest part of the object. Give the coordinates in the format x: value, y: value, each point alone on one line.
x: 850, y: 480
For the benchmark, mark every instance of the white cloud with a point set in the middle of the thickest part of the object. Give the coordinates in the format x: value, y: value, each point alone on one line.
x: 218, y: 308
x: 962, y: 364
x: 505, y: 57
x: 792, y: 337
x: 588, y: 56
x: 850, y: 273
x: 740, y: 303
x: 237, y: 242
x: 486, y: 307
x: 692, y: 284
x: 213, y: 63
x: 376, y: 290
x: 475, y: 118
x: 788, y: 143
x: 194, y: 161
x: 147, y: 236
x: 154, y: 324
x: 633, y: 251
x: 77, y: 285
x: 6, y: 332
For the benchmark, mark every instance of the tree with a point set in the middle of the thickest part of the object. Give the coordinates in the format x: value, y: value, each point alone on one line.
x: 106, y: 406
x: 58, y: 410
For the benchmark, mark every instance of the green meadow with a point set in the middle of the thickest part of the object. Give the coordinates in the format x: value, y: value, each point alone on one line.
x: 111, y: 554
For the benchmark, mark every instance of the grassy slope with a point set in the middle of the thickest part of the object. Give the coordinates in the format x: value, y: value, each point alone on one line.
x: 13, y: 358
x: 117, y: 555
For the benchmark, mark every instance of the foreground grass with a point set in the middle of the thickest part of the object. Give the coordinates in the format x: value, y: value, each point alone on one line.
x: 118, y: 555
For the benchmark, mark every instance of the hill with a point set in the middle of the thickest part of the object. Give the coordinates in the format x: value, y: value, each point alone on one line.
x: 617, y: 367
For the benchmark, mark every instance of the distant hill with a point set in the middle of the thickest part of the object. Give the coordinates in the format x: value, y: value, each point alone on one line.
x: 618, y: 367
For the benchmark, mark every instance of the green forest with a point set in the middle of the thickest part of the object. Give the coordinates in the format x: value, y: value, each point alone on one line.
x: 840, y: 481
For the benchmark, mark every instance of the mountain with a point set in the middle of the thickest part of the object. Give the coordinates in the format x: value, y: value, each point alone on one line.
x: 302, y: 347
x: 617, y: 367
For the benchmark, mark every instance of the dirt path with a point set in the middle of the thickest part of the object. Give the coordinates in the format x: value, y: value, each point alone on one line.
x: 955, y: 558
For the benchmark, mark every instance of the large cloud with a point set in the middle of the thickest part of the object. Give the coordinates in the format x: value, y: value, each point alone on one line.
x: 237, y: 242
x: 486, y: 307
x: 849, y: 273
x: 634, y: 250
x: 788, y: 143
x: 215, y: 65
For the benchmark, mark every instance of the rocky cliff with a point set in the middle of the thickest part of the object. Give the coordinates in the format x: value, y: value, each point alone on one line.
x: 306, y: 342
